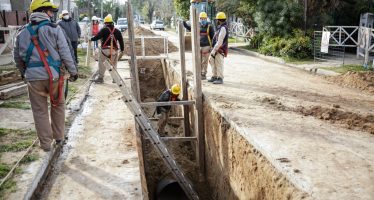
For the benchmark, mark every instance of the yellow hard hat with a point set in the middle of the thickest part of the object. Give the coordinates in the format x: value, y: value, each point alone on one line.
x: 203, y: 15
x: 108, y: 19
x: 221, y: 15
x: 60, y: 16
x: 176, y: 89
x: 35, y: 4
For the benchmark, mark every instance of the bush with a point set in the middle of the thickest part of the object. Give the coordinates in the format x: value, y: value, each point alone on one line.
x: 296, y: 46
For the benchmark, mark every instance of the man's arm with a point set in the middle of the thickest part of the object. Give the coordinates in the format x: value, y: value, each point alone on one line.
x: 64, y: 52
x: 17, y: 58
x: 78, y: 30
x: 221, y: 37
x: 120, y: 40
x: 188, y: 27
x: 98, y: 36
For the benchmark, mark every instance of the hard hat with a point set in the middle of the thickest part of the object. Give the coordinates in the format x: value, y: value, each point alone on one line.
x: 203, y: 15
x: 176, y: 89
x: 60, y: 16
x: 221, y: 15
x: 64, y: 12
x: 108, y: 19
x: 94, y: 18
x: 35, y: 4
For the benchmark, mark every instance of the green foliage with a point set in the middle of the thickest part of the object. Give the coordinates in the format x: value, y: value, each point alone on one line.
x: 16, y: 104
x: 183, y: 8
x: 4, y: 169
x: 19, y: 146
x: 29, y: 158
x: 295, y: 46
x: 9, y: 185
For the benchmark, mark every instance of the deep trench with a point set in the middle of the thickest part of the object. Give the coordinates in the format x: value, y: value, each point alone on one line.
x: 234, y: 168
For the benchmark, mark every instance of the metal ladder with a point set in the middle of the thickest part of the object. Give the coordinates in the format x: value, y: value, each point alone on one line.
x: 155, y: 139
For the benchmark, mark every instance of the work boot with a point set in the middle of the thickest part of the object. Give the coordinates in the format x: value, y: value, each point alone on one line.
x: 212, y: 79
x: 203, y: 77
x: 113, y: 81
x: 99, y: 80
x: 218, y: 81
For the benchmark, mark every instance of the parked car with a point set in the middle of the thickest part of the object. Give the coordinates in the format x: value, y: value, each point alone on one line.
x: 141, y: 21
x: 157, y: 24
x: 122, y: 24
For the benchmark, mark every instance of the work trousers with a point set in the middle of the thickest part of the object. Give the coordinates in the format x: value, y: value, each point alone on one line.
x: 104, y: 55
x: 217, y: 65
x: 47, y: 130
x: 204, y: 51
x: 162, y: 121
x: 74, y: 44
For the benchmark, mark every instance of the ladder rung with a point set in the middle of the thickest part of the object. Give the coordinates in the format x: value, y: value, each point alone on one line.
x: 168, y: 103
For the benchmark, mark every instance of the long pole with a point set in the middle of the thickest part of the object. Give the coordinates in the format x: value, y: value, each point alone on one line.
x: 198, y: 96
x: 102, y: 9
x: 182, y: 56
x: 305, y: 14
x: 90, y: 32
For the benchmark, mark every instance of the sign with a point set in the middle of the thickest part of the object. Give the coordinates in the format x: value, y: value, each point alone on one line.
x: 325, y: 41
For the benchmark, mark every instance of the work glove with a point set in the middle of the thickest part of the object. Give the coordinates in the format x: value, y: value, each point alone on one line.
x: 73, y: 78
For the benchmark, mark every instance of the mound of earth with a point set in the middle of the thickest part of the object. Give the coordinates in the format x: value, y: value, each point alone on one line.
x: 360, y: 80
x: 153, y: 46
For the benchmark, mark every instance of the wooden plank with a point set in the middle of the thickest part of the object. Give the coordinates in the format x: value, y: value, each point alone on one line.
x: 199, y: 126
x: 3, y: 87
x: 170, y: 118
x: 168, y: 103
x: 13, y: 91
x: 182, y: 56
x: 134, y: 66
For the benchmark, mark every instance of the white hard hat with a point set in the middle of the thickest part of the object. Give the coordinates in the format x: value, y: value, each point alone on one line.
x: 65, y: 12
x: 94, y: 18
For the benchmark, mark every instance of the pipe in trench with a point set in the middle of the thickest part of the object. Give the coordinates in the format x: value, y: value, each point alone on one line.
x: 169, y: 189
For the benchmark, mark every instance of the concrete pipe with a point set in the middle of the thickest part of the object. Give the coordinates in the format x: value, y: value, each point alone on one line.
x: 169, y: 189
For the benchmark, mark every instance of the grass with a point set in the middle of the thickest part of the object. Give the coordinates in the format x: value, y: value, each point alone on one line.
x: 72, y: 89
x: 29, y: 158
x: 22, y: 132
x: 15, y: 147
x: 9, y: 185
x: 238, y: 40
x: 298, y: 61
x: 347, y: 68
x: 4, y: 169
x: 16, y: 104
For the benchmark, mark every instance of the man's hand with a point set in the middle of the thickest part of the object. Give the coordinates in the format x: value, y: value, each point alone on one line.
x: 73, y: 78
x: 213, y: 54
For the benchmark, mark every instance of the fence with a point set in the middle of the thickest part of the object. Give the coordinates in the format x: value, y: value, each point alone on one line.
x: 238, y: 30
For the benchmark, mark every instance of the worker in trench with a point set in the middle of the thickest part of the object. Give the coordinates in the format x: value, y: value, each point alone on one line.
x: 220, y: 49
x: 110, y: 37
x: 206, y: 36
x: 171, y: 94
x: 40, y: 52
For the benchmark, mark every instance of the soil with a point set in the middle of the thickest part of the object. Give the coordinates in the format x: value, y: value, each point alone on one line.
x: 153, y: 46
x: 151, y: 79
x: 334, y: 115
x: 360, y: 80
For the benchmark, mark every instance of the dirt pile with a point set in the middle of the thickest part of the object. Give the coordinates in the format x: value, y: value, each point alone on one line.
x: 360, y: 80
x: 333, y: 115
x: 152, y: 46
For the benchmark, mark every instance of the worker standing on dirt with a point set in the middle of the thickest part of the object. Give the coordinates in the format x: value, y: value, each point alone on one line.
x: 220, y: 49
x: 110, y: 37
x: 171, y: 94
x: 40, y: 49
x: 72, y: 30
x: 206, y: 36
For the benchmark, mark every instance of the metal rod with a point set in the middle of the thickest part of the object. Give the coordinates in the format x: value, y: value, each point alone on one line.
x: 168, y: 103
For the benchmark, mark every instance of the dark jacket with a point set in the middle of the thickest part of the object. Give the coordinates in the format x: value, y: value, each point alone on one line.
x: 206, y: 34
x: 71, y: 28
x: 104, y: 34
x: 165, y: 96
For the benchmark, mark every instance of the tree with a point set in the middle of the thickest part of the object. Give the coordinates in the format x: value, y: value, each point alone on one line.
x: 182, y: 7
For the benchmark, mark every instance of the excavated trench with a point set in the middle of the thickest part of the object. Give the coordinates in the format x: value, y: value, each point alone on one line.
x: 234, y: 168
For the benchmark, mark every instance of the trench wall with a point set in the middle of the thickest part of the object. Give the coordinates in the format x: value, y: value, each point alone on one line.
x: 234, y: 168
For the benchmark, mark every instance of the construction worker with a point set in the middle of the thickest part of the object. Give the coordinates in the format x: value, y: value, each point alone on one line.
x: 110, y: 37
x: 163, y: 111
x: 40, y: 49
x: 95, y: 29
x: 220, y: 49
x: 72, y: 30
x: 206, y: 36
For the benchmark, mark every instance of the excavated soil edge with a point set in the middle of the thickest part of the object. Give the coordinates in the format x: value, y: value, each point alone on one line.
x: 359, y: 80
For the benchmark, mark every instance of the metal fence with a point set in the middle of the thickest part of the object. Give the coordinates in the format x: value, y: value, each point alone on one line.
x: 336, y: 53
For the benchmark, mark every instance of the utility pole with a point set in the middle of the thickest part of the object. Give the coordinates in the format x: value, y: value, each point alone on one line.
x: 102, y: 9
x: 69, y: 6
x: 89, y: 33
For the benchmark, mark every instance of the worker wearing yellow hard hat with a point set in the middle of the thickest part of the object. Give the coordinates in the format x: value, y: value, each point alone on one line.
x: 42, y: 55
x: 171, y: 94
x: 206, y: 36
x: 111, y: 41
x: 220, y: 49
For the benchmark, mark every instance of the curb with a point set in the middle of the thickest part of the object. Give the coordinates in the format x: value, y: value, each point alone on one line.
x: 311, y: 69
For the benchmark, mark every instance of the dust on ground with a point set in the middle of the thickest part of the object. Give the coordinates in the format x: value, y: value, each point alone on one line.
x: 153, y: 46
x: 333, y: 114
x: 360, y: 80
